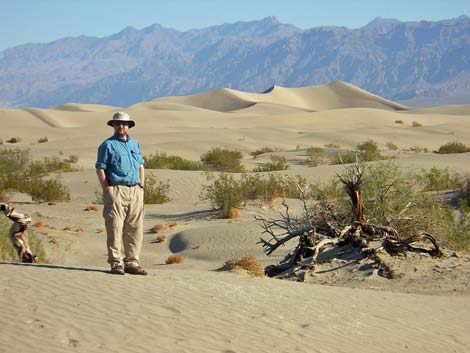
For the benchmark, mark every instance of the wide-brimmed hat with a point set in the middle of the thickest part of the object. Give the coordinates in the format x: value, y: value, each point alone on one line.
x: 121, y: 116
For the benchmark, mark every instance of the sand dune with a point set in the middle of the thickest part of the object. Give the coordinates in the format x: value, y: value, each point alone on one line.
x: 73, y: 304
x: 336, y: 95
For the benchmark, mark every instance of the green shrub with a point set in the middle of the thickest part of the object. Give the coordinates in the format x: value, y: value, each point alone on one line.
x: 226, y: 191
x: 156, y: 192
x: 262, y: 151
x: 277, y: 163
x: 344, y: 158
x: 51, y: 165
x: 436, y: 179
x: 369, y: 151
x: 398, y: 198
x: 19, y: 173
x: 453, y: 147
x: 47, y: 190
x: 223, y: 160
x: 315, y: 156
x: 164, y: 161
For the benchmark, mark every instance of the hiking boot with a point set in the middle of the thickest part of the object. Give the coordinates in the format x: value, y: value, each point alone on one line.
x: 135, y: 270
x: 117, y: 270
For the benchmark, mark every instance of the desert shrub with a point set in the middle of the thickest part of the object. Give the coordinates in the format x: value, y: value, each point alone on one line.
x: 398, y: 198
x: 453, y: 147
x: 14, y: 140
x: 233, y: 213
x: 344, y: 158
x: 262, y: 151
x: 156, y: 192
x: 277, y: 163
x: 369, y: 151
x: 43, y: 139
x: 47, y: 190
x: 391, y: 146
x: 174, y: 259
x: 419, y: 149
x: 399, y: 121
x: 98, y: 196
x: 223, y: 160
x: 315, y: 156
x: 332, y: 145
x: 52, y: 165
x: 19, y: 173
x: 416, y: 124
x: 226, y: 191
x: 165, y: 161
x: 436, y: 179
x: 248, y: 263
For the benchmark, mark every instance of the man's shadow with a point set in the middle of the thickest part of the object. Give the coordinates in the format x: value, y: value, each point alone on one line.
x: 58, y: 267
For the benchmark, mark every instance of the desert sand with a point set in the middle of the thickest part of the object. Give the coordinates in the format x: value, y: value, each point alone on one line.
x: 74, y: 305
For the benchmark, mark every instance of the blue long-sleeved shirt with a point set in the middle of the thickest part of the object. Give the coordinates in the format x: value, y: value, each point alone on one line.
x: 120, y: 160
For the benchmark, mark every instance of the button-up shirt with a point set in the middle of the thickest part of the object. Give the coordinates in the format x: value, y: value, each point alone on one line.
x: 120, y: 160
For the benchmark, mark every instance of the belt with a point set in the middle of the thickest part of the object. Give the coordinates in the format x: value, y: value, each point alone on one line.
x: 128, y: 185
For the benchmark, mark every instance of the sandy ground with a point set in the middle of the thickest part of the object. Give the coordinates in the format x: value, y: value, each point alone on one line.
x: 74, y: 304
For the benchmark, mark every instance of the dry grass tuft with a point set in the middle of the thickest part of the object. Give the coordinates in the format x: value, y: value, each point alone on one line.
x: 232, y: 213
x: 67, y: 228
x: 248, y: 263
x: 159, y: 239
x: 91, y: 208
x: 174, y: 259
x: 157, y: 228
x: 40, y: 224
x: 172, y: 225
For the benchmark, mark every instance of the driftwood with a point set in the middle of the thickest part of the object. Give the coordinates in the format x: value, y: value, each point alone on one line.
x: 17, y: 234
x: 303, y: 258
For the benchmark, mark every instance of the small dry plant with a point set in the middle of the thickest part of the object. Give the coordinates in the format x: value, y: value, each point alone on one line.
x: 174, y: 259
x: 159, y: 239
x: 248, y: 263
x: 157, y: 228
x: 91, y: 208
x: 232, y: 213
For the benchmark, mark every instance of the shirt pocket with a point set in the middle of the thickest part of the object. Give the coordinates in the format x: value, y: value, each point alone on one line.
x: 121, y: 164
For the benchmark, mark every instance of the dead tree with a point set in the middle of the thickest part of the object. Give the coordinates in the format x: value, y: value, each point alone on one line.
x: 17, y: 234
x: 311, y: 243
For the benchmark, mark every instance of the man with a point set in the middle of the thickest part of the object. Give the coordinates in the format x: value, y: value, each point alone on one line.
x: 120, y: 170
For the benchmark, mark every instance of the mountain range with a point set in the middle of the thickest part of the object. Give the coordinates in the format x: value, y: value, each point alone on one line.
x: 419, y: 63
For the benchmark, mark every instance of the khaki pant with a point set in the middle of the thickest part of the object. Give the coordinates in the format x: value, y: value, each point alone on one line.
x: 123, y: 214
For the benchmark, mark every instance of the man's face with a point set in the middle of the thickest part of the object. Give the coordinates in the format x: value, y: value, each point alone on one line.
x: 121, y: 127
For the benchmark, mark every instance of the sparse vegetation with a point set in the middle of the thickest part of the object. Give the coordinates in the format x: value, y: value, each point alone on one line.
x: 315, y: 156
x: 399, y: 121
x: 226, y: 191
x: 407, y: 200
x: 248, y: 263
x: 165, y: 161
x: 156, y: 193
x: 262, y: 151
x: 332, y: 145
x: 453, y: 147
x: 391, y: 146
x: 416, y: 124
x: 14, y: 140
x: 43, y: 139
x: 174, y: 259
x: 367, y: 151
x: 223, y: 160
x: 277, y: 163
x: 18, y: 172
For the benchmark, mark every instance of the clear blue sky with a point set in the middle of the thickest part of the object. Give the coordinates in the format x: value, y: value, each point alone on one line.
x: 31, y: 21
